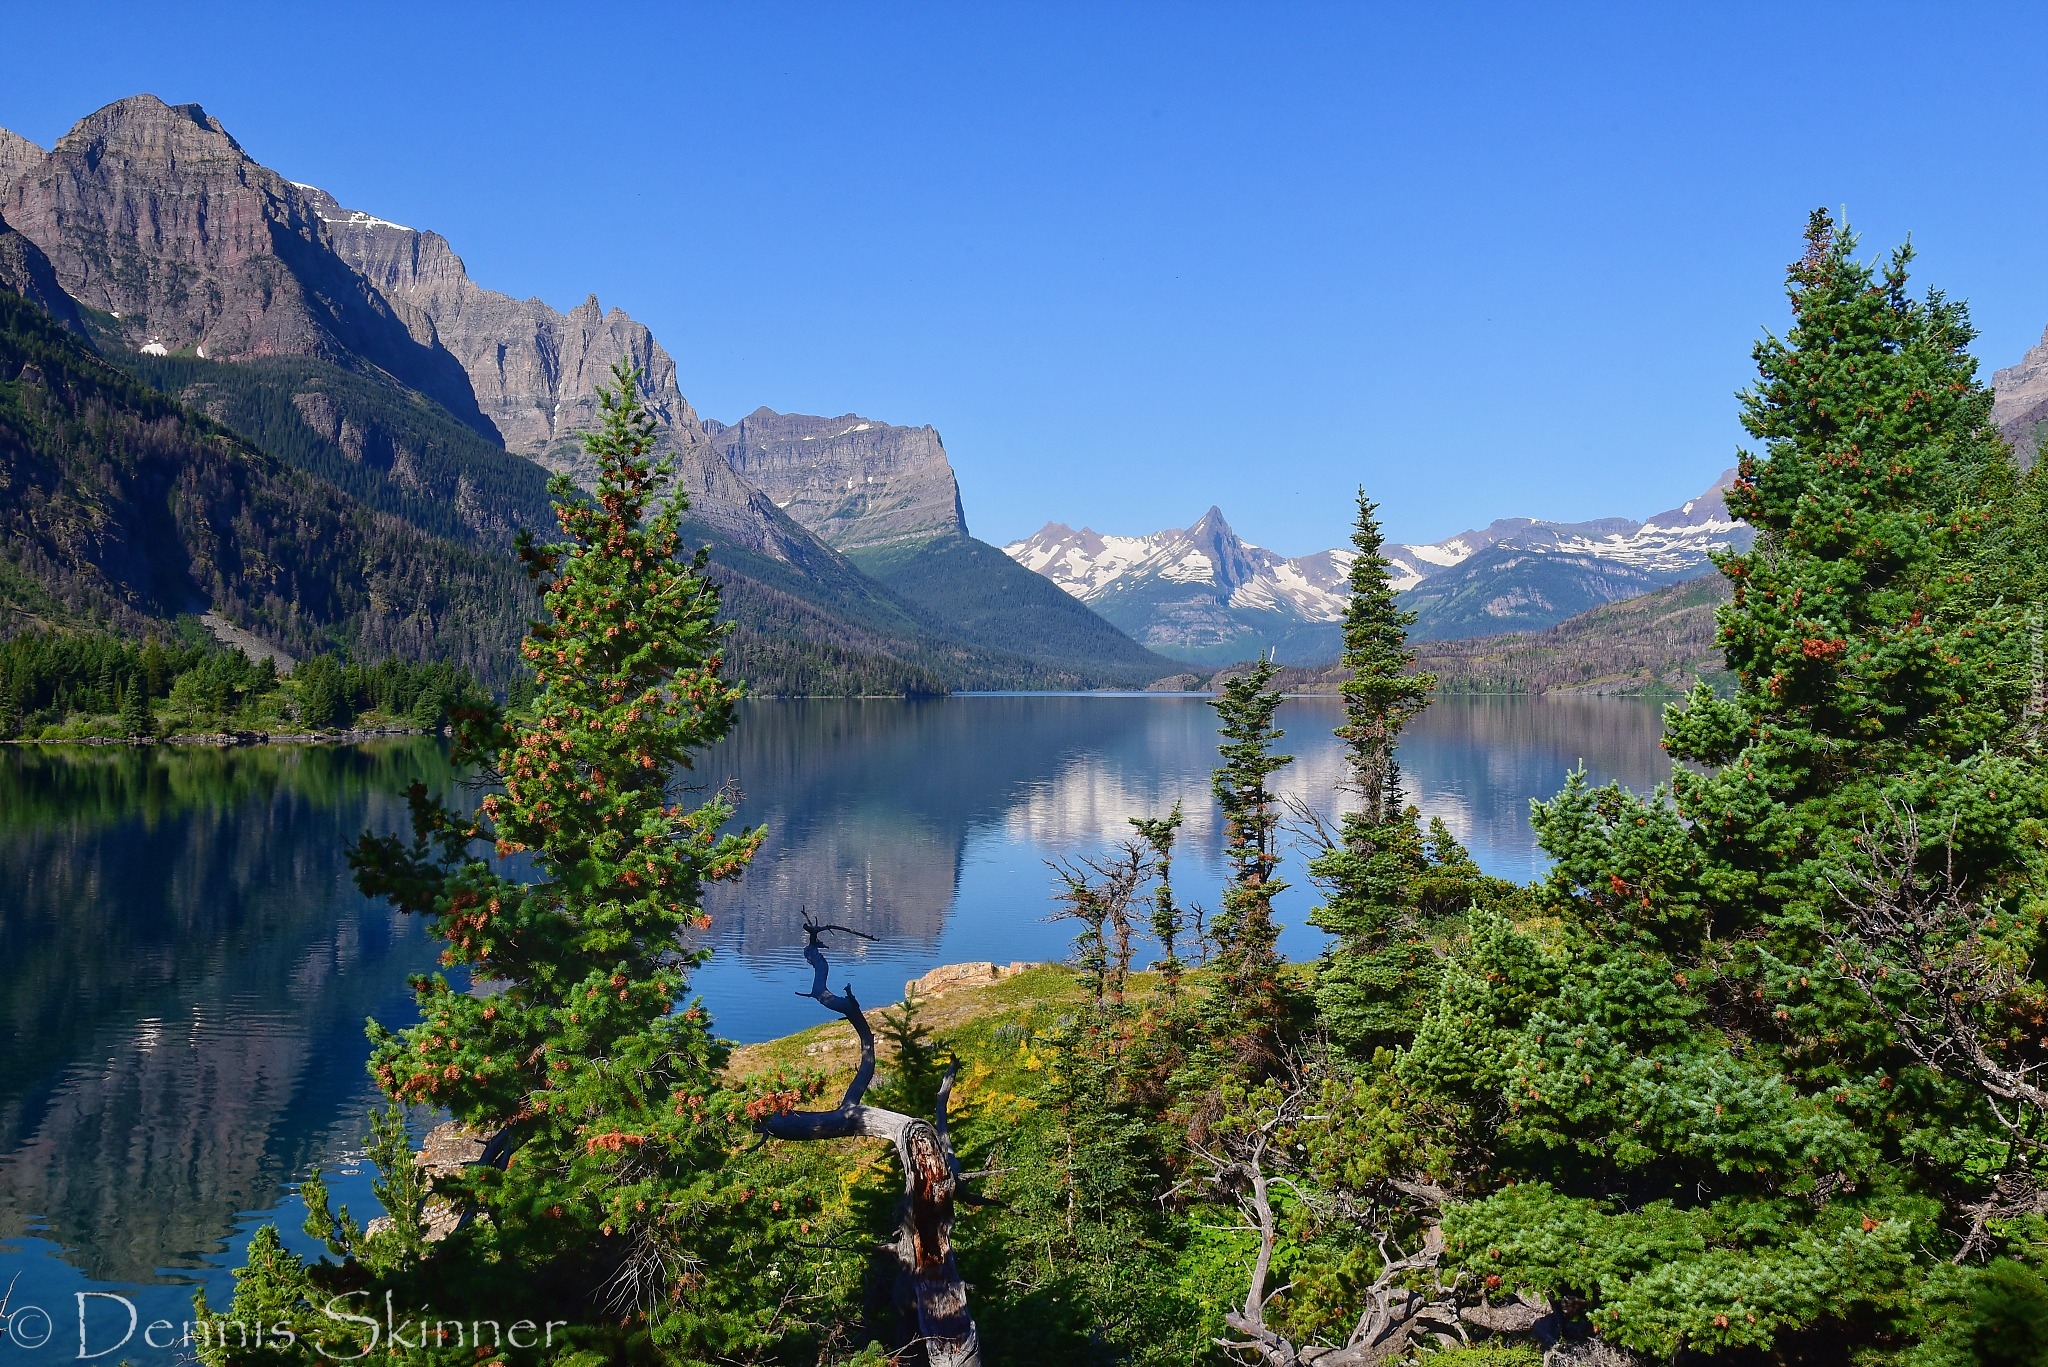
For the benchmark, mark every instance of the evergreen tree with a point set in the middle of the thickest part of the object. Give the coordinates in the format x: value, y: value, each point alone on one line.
x: 1741, y: 1088
x: 1382, y: 694
x: 1369, y: 984
x: 137, y: 721
x: 605, y: 1171
x: 1248, y: 1007
x: 322, y: 692
x: 1158, y: 833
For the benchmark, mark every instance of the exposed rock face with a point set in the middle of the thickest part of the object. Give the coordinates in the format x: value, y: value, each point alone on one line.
x: 855, y: 482
x: 155, y: 215
x: 17, y: 156
x: 535, y: 371
x: 744, y: 516
x: 2020, y: 400
x: 25, y: 270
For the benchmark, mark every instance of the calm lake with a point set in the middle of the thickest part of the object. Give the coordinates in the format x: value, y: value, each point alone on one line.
x: 185, y: 965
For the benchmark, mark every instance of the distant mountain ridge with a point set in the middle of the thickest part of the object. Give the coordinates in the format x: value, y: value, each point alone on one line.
x: 1200, y: 594
x: 332, y: 338
x: 1206, y: 596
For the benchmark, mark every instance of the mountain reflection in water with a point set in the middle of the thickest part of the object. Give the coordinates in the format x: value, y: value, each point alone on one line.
x: 187, y: 965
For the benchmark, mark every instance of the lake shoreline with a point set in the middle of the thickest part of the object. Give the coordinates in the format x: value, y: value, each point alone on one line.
x: 228, y: 739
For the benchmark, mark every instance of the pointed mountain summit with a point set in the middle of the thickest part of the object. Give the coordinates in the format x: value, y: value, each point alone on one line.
x: 1202, y: 593
x: 1207, y: 596
x: 535, y: 371
x: 155, y: 218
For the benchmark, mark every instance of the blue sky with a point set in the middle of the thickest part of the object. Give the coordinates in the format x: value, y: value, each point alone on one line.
x: 1131, y: 259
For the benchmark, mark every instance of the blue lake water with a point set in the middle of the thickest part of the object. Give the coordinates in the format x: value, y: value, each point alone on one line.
x: 185, y: 966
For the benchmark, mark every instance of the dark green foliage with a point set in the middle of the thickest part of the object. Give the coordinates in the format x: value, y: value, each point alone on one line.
x: 381, y: 444
x: 62, y: 684
x: 1714, y: 1134
x: 970, y: 590
x: 1249, y: 1005
x: 123, y: 509
x: 1390, y: 890
x: 46, y: 676
x: 323, y: 701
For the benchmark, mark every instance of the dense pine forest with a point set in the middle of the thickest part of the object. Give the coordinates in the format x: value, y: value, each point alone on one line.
x: 1755, y: 1073
x: 94, y: 686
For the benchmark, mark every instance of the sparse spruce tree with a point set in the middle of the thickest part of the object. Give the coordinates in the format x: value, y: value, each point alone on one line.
x: 1159, y: 833
x: 1370, y: 984
x: 1248, y: 1006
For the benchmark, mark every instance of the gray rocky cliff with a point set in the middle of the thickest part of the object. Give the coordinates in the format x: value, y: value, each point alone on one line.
x: 18, y: 156
x: 535, y: 371
x: 25, y: 270
x: 153, y: 214
x: 2020, y: 401
x: 855, y: 482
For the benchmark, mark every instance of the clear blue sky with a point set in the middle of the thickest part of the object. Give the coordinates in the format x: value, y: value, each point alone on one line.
x: 1134, y: 259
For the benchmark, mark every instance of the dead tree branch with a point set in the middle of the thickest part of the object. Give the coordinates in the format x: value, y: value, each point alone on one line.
x: 1099, y: 893
x: 1247, y: 1165
x: 930, y: 1294
x: 1913, y: 944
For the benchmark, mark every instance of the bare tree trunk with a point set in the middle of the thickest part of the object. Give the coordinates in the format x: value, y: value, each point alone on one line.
x: 930, y: 1294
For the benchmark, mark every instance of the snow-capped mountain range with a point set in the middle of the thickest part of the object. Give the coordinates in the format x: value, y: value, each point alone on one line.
x: 1204, y: 594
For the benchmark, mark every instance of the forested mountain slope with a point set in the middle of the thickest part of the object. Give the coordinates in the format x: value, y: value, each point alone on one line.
x: 987, y: 598
x: 119, y: 506
x: 377, y: 440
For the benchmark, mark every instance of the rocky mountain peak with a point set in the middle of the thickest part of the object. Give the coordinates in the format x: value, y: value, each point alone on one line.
x: 18, y: 156
x: 534, y: 370
x: 154, y: 215
x: 144, y: 127
x: 2020, y: 400
x: 1229, y: 558
x: 855, y: 482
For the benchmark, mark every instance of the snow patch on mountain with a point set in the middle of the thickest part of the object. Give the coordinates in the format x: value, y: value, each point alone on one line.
x: 1139, y: 581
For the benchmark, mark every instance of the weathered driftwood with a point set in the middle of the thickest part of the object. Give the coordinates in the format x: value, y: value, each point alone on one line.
x: 930, y: 1294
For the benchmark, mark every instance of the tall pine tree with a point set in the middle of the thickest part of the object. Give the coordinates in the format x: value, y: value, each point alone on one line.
x: 1249, y: 1006
x: 605, y: 1184
x: 1384, y: 881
